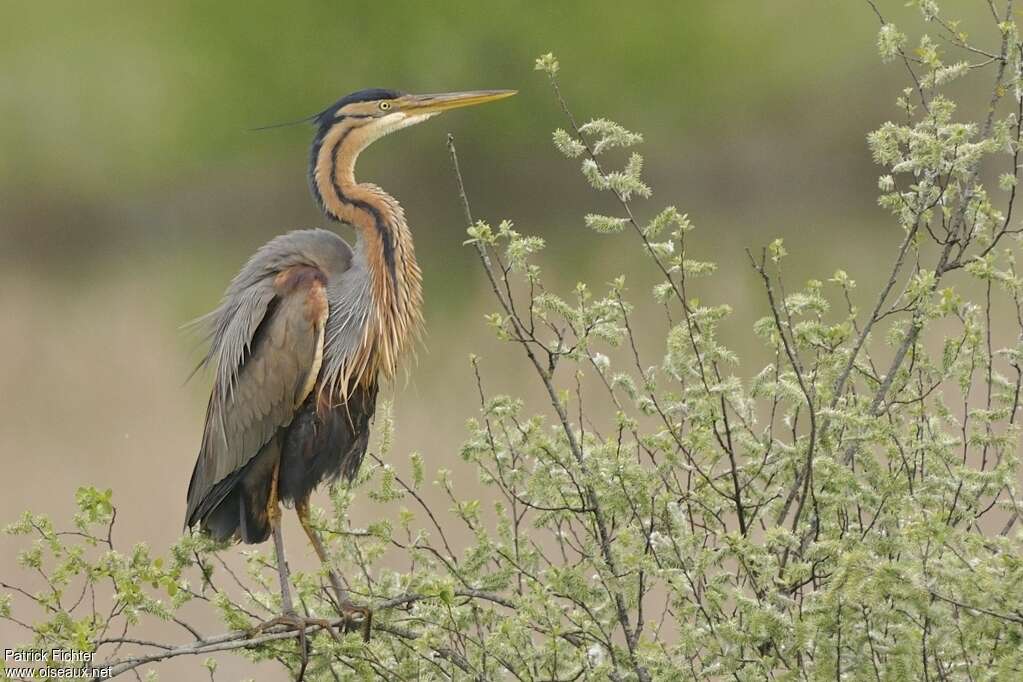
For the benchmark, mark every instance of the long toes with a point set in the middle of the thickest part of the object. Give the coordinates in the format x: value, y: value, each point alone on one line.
x: 354, y: 618
x: 290, y: 619
x: 283, y: 619
x: 326, y: 625
x: 295, y: 622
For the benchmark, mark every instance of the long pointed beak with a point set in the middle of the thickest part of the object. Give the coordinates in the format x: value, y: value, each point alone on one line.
x: 435, y: 103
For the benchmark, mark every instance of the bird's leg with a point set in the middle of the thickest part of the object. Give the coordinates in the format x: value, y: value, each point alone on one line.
x: 302, y: 509
x: 289, y: 615
x: 273, y: 513
x: 347, y: 607
x: 282, y: 566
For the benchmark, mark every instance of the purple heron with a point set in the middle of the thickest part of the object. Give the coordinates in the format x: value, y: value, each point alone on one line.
x: 304, y: 335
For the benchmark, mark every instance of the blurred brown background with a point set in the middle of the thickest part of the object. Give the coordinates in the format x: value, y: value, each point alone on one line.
x: 131, y: 190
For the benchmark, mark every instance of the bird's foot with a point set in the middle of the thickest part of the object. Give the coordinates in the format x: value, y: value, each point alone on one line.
x: 356, y: 617
x: 300, y: 624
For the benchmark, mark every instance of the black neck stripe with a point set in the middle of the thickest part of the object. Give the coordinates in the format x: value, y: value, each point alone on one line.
x: 382, y: 228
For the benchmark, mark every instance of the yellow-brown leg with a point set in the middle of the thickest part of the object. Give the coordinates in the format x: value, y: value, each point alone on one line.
x: 273, y: 503
x: 348, y: 608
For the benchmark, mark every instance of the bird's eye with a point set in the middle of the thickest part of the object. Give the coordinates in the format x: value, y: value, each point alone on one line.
x: 384, y: 106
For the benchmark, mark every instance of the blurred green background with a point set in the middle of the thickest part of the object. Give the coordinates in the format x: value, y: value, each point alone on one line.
x: 131, y: 189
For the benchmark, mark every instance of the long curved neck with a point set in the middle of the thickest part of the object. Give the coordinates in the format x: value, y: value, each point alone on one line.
x: 386, y: 241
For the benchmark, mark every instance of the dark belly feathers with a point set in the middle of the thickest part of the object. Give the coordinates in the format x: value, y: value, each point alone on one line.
x: 312, y: 449
x: 319, y: 448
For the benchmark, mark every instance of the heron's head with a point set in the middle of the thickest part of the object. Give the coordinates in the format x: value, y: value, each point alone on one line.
x: 355, y: 121
x: 376, y: 112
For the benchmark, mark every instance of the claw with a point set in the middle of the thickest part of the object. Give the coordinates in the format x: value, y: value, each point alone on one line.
x: 355, y: 615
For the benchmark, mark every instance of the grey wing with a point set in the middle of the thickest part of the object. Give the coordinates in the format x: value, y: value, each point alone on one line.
x: 268, y: 351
